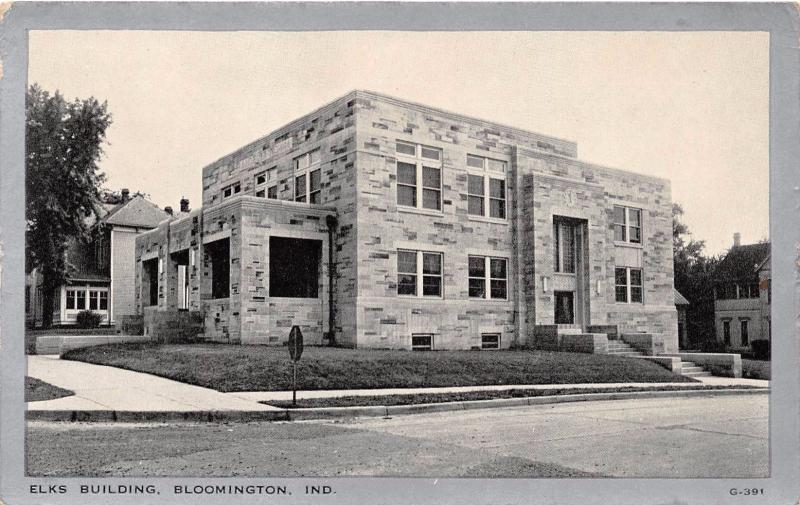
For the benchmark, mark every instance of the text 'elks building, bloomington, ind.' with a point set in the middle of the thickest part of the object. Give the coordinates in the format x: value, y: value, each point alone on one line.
x: 381, y: 223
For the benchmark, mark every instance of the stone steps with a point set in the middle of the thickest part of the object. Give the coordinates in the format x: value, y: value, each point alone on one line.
x: 691, y: 369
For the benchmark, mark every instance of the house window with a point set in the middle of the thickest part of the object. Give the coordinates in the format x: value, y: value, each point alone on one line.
x: 103, y: 295
x: 497, y: 278
x: 94, y: 300
x: 419, y: 176
x: 490, y: 341
x: 76, y: 299
x: 628, y: 285
x: 294, y: 267
x: 564, y: 247
x: 261, y: 193
x: 219, y: 255
x: 266, y: 176
x: 272, y: 192
x: 415, y: 265
x: 627, y: 224
x: 486, y: 187
x: 231, y: 190
x: 726, y: 332
x: 421, y: 342
x: 307, y: 178
x: 744, y: 334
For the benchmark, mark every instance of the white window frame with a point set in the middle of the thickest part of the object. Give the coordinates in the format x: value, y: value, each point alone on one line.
x: 419, y: 161
x: 627, y: 226
x: 628, y: 286
x: 488, y: 173
x: 420, y: 276
x: 304, y: 165
x: 487, y: 277
x: 428, y: 347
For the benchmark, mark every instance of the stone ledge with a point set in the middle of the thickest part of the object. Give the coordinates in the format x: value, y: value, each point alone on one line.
x: 720, y: 364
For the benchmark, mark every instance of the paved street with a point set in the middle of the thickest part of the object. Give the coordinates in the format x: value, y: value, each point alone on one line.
x: 673, y: 437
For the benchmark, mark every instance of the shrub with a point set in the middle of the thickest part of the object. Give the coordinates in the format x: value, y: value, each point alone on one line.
x: 89, y: 319
x: 760, y: 349
x: 712, y: 346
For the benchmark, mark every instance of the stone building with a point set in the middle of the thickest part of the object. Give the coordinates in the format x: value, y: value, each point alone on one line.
x: 375, y: 222
x: 743, y: 295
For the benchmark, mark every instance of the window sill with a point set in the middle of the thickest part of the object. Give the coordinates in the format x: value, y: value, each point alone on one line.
x: 483, y: 219
x: 490, y: 300
x: 415, y: 210
x: 415, y: 297
x: 632, y: 245
x: 293, y: 298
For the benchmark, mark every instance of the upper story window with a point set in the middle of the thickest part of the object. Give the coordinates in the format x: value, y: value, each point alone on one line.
x: 564, y: 250
x: 307, y: 178
x: 488, y: 272
x: 266, y: 176
x: 486, y: 187
x: 416, y: 266
x: 628, y: 285
x: 419, y: 176
x: 627, y: 224
x: 231, y: 190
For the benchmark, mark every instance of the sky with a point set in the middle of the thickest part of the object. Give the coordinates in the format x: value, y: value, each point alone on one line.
x: 690, y: 107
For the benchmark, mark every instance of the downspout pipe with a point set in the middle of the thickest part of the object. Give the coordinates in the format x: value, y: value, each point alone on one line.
x: 331, y: 222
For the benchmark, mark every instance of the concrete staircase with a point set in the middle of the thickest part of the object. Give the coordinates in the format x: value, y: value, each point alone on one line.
x: 620, y: 348
x: 690, y: 369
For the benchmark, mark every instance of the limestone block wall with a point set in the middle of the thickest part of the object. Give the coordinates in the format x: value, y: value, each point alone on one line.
x: 123, y: 264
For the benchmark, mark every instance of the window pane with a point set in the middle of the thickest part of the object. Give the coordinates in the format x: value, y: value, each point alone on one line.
x: 313, y: 157
x: 237, y: 188
x: 300, y: 186
x: 260, y: 194
x: 272, y: 192
x: 430, y: 199
x: 619, y: 233
x: 314, y: 197
x: 431, y: 263
x: 103, y: 300
x: 636, y: 235
x: 556, y: 242
x: 431, y: 286
x: 261, y: 178
x: 497, y: 208
x: 621, y: 293
x: 497, y: 188
x: 635, y: 217
x: 619, y: 215
x: 475, y: 185
x: 404, y: 148
x: 314, y: 181
x: 636, y: 277
x: 407, y: 195
x: 406, y: 173
x: 271, y: 173
x: 80, y: 297
x: 407, y: 262
x: 407, y: 284
x: 475, y: 205
x: 499, y: 166
x: 93, y: 300
x: 497, y: 268
x: 477, y: 266
x: 498, y: 289
x: 474, y: 161
x: 568, y: 248
x: 477, y: 288
x: 431, y: 178
x: 431, y: 153
x: 636, y: 295
x: 620, y: 277
x: 70, y: 299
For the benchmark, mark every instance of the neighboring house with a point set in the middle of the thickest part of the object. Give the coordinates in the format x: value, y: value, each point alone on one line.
x: 388, y: 224
x: 742, y: 295
x: 102, y: 278
x: 682, y: 305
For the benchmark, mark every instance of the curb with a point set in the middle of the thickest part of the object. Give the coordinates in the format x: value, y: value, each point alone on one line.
x: 351, y: 412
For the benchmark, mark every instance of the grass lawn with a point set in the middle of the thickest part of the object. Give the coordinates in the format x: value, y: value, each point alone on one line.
x: 755, y: 369
x: 37, y: 390
x: 264, y: 368
x: 388, y: 400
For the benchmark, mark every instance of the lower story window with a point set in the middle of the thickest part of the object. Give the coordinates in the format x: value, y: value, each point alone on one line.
x: 726, y: 332
x: 490, y: 341
x: 294, y: 267
x: 413, y: 266
x: 421, y: 342
x: 628, y: 285
x: 219, y: 257
x: 744, y: 332
x: 98, y: 300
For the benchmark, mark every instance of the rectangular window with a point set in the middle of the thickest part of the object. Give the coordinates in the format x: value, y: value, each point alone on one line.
x: 628, y: 285
x: 627, y: 224
x: 486, y: 192
x: 261, y: 178
x: 415, y: 265
x: 726, y: 332
x: 294, y: 267
x: 219, y: 256
x: 497, y: 278
x: 421, y: 342
x: 272, y: 193
x: 307, y: 180
x: 261, y: 193
x: 94, y: 300
x: 150, y: 282
x: 80, y: 299
x: 103, y: 300
x: 266, y: 176
x: 744, y: 333
x: 314, y: 182
x: 419, y: 176
x: 490, y: 341
x: 231, y: 190
x: 70, y: 299
x: 564, y: 254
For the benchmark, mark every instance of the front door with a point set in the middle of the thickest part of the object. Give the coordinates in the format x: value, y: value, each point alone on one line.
x: 565, y: 307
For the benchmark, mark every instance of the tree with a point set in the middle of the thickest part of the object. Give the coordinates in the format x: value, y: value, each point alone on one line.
x: 694, y: 276
x: 63, y: 142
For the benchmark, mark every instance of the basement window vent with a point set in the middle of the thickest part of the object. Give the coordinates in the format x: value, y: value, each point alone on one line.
x: 421, y: 342
x: 490, y: 341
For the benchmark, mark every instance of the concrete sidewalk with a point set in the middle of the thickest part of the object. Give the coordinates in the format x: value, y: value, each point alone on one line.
x: 105, y: 388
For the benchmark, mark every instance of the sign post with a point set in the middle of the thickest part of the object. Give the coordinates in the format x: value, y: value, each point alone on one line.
x: 295, y: 351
